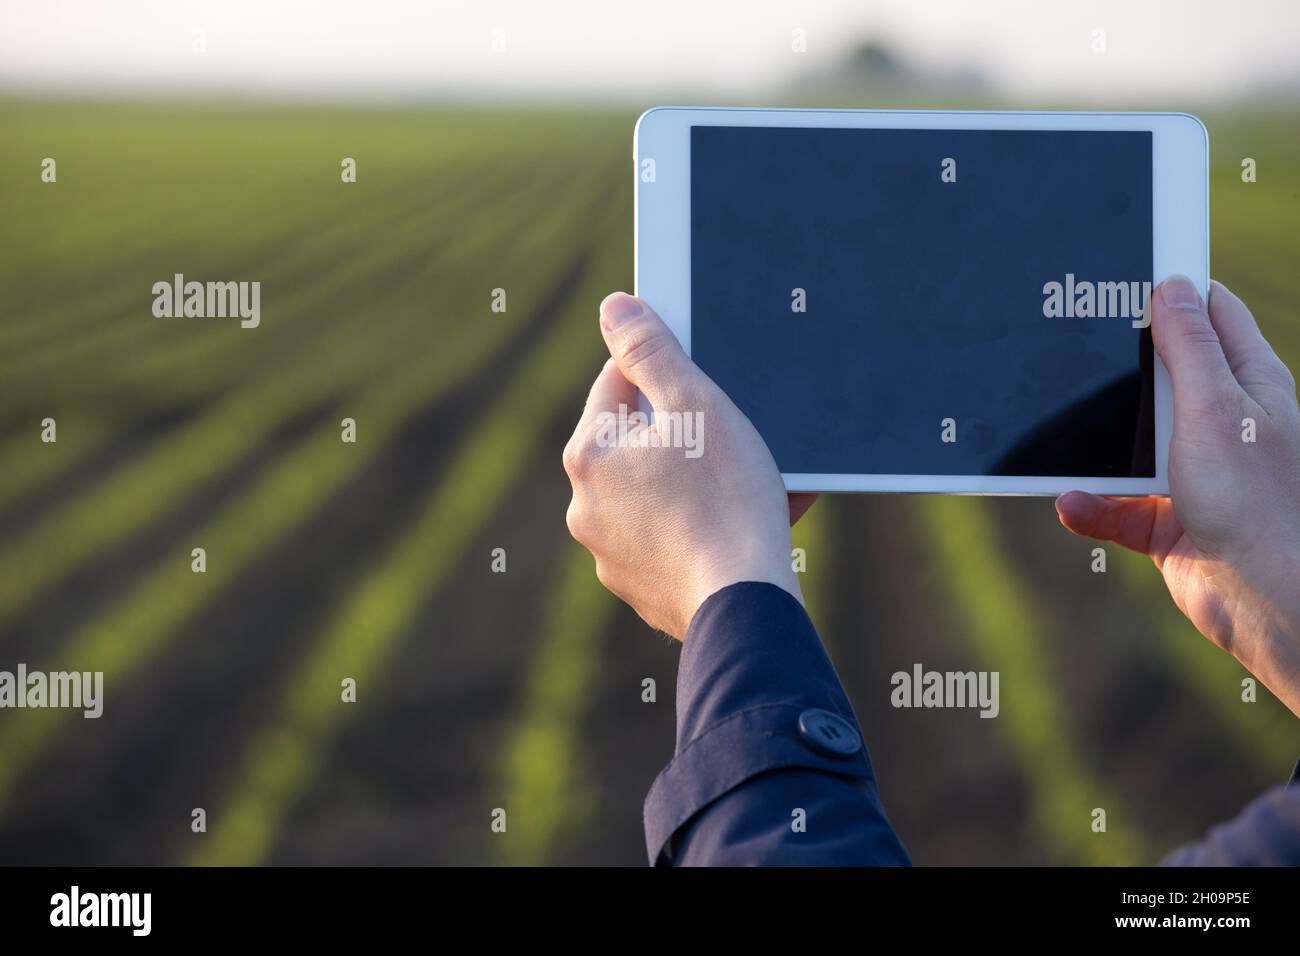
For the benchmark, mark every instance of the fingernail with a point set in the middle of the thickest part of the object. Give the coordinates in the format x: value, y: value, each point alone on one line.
x: 618, y: 307
x: 1177, y: 292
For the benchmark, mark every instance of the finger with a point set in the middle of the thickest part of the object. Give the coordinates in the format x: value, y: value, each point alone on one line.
x: 609, y: 392
x: 1144, y: 525
x: 800, y: 502
x: 1252, y: 360
x: 645, y: 350
x: 1189, y: 346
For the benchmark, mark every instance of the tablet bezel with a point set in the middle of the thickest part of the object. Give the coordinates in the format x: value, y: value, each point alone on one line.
x: 1180, y: 218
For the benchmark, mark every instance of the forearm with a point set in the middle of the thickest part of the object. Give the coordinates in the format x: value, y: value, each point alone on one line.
x: 1278, y: 664
x: 1264, y: 634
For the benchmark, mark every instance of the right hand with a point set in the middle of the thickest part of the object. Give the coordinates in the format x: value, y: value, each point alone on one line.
x: 1227, y: 540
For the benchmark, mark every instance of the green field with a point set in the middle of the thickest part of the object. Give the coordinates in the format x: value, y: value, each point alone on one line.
x: 372, y: 560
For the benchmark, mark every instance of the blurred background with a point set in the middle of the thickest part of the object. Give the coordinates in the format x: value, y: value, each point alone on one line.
x: 492, y: 144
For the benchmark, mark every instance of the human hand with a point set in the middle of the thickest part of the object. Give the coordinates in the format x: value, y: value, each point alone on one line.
x: 667, y: 529
x: 1227, y: 540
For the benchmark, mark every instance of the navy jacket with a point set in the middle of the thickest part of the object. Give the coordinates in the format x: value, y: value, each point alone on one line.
x: 770, y: 766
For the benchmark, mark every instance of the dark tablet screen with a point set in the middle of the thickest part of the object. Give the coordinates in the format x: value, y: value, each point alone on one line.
x: 929, y: 302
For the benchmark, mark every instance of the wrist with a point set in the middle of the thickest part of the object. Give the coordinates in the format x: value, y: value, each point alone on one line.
x: 715, y: 575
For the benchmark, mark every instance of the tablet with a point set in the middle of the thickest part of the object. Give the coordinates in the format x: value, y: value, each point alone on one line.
x: 928, y: 301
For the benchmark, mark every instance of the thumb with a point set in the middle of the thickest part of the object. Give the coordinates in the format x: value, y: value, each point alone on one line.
x: 645, y: 349
x: 1189, y: 345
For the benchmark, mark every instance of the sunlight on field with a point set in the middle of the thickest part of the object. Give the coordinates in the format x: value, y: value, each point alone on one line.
x: 329, y: 560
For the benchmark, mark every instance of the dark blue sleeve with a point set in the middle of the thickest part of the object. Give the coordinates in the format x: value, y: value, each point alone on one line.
x: 770, y: 767
x: 1265, y: 833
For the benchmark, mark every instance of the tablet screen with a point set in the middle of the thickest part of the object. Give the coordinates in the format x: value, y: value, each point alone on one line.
x: 929, y: 302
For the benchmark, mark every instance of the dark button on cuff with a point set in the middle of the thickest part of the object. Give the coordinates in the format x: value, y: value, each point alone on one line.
x: 828, y: 733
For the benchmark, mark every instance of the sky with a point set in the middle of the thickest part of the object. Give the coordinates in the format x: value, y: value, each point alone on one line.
x: 607, y: 48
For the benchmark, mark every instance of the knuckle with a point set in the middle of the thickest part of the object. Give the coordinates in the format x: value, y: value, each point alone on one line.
x: 1200, y: 335
x: 612, y: 581
x: 576, y: 520
x: 641, y: 343
x: 1284, y: 377
x: 576, y: 459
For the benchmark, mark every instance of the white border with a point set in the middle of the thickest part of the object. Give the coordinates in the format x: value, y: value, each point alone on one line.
x: 1180, y: 171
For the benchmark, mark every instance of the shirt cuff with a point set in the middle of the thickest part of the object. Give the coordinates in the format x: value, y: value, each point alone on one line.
x: 731, y: 752
x: 755, y: 688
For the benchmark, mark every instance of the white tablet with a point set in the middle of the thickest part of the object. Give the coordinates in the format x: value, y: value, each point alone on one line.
x: 928, y: 301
